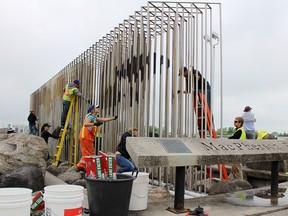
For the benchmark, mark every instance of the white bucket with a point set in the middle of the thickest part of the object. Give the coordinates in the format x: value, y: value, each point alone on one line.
x: 139, y: 194
x: 15, y: 201
x: 63, y: 200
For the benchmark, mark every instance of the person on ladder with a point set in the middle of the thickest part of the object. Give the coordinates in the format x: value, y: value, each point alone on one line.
x: 70, y: 90
x: 88, y: 132
x: 197, y: 82
x: 197, y: 78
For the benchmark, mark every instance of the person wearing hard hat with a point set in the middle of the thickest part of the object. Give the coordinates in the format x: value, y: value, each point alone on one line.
x: 70, y: 90
x: 88, y: 132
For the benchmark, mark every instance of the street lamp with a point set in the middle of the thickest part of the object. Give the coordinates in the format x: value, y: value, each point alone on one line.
x: 214, y: 40
x: 214, y: 36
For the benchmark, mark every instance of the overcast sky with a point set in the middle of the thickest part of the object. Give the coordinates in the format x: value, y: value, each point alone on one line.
x: 40, y: 37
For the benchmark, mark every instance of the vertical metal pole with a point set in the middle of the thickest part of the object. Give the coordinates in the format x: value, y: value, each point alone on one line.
x: 204, y: 71
x: 192, y: 63
x: 154, y: 74
x: 274, y: 178
x: 134, y: 71
x: 180, y: 58
x: 167, y: 87
x: 161, y: 101
x: 212, y: 73
x: 175, y: 69
x: 196, y: 65
x: 141, y: 74
x: 221, y: 73
x: 148, y: 72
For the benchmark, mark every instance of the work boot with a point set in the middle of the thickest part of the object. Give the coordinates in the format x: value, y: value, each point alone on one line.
x: 82, y: 173
x: 79, y: 168
x: 86, y: 211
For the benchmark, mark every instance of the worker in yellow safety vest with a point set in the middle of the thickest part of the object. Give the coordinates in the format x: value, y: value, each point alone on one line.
x: 261, y: 134
x: 236, y: 170
x: 239, y: 130
x: 70, y: 91
x: 88, y: 132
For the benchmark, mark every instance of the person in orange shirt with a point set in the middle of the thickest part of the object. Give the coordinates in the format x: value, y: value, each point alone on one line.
x: 88, y: 132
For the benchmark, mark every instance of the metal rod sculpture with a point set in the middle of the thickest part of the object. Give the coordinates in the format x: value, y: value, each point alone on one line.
x: 136, y: 72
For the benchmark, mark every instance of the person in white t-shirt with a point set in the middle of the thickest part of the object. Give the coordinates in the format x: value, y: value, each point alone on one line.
x: 249, y: 121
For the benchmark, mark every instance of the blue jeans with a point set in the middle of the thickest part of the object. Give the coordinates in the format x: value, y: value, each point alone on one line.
x: 125, y: 164
x: 66, y: 105
x: 32, y: 129
x: 250, y: 134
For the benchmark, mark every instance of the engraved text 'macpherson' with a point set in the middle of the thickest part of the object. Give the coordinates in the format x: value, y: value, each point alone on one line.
x: 236, y: 146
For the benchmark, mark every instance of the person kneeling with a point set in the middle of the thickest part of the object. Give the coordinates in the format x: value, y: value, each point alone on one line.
x: 123, y: 158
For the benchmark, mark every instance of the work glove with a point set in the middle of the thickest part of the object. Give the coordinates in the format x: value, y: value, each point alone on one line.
x: 98, y: 124
x: 115, y: 117
x: 88, y: 101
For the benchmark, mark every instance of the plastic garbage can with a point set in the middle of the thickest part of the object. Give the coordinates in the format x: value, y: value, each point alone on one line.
x: 139, y: 194
x: 107, y: 197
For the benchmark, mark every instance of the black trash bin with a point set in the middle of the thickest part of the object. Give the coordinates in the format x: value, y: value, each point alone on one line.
x: 109, y: 197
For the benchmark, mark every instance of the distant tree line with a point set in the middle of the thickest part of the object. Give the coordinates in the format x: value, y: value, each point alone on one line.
x: 283, y: 134
x: 226, y: 132
x: 229, y: 131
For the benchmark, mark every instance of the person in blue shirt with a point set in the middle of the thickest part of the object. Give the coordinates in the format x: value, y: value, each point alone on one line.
x: 249, y: 121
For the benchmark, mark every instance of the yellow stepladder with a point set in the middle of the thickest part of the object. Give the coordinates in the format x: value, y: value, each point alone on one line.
x: 74, y: 141
x: 62, y: 134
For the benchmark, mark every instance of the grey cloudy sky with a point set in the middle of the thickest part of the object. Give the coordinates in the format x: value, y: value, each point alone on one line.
x: 40, y: 37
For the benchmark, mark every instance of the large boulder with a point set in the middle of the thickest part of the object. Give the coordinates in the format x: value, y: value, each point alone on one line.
x: 283, y: 166
x: 6, y: 131
x: 26, y: 176
x: 17, y: 151
x: 230, y: 186
x: 67, y: 174
x: 70, y: 176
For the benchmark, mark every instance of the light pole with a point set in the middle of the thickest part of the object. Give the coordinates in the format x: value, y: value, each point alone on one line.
x: 214, y: 41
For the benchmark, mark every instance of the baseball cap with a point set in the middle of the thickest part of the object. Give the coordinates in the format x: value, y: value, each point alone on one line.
x: 247, y: 108
x: 76, y: 81
x: 92, y: 107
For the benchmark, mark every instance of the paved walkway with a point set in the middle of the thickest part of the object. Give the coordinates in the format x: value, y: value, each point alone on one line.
x: 225, y: 205
x: 217, y: 205
x: 214, y: 206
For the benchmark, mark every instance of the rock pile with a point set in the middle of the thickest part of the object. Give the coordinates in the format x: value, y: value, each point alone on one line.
x: 22, y: 161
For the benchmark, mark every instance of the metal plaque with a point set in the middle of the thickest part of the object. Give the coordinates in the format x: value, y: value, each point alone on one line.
x: 174, y: 146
